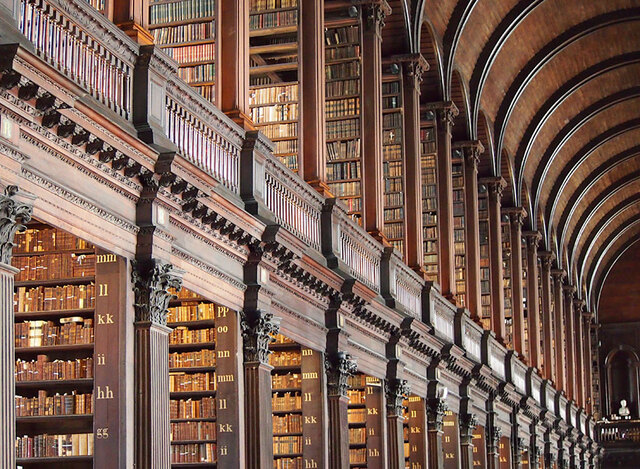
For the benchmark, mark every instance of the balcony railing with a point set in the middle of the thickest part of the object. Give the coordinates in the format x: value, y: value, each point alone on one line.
x: 623, y: 432
x: 101, y: 63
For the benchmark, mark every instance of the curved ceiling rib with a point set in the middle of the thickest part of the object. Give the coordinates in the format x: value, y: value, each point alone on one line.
x: 458, y: 20
x: 604, y: 271
x: 491, y: 50
x: 546, y: 54
x: 551, y: 105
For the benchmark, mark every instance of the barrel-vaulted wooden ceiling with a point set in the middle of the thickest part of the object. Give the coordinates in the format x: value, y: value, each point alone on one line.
x: 552, y: 89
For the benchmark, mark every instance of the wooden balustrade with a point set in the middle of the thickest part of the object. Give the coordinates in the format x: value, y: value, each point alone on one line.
x: 361, y: 253
x: 621, y: 431
x: 84, y: 46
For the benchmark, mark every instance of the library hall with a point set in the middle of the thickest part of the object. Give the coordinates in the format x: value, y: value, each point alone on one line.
x: 319, y: 234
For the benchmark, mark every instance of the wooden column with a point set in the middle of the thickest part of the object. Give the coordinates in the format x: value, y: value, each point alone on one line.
x: 570, y: 341
x: 339, y: 367
x: 413, y: 67
x: 472, y: 152
x: 468, y: 424
x: 493, y: 444
x: 313, y: 409
x: 558, y: 300
x: 132, y: 16
x: 232, y: 70
x: 373, y: 13
x: 258, y: 327
x: 577, y: 339
x: 312, y: 117
x: 516, y: 218
x: 13, y: 213
x: 495, y: 186
x: 445, y: 112
x: 396, y: 391
x: 151, y: 281
x: 533, y: 314
x: 588, y: 367
x: 435, y: 416
x: 546, y: 257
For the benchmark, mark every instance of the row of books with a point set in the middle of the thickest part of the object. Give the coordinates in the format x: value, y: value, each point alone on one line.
x: 204, y: 408
x: 394, y: 230
x: 430, y: 258
x: 341, y: 53
x: 273, y: 94
x: 286, y: 402
x: 191, y: 312
x: 290, y: 161
x: 208, y: 92
x: 430, y: 232
x: 290, y: 380
x: 185, y: 33
x: 54, y: 266
x: 257, y: 5
x: 286, y: 146
x: 72, y: 331
x: 288, y: 463
x: 342, y: 70
x: 342, y: 107
x: 338, y: 88
x: 290, y: 423
x: 393, y: 199
x: 391, y: 152
x: 47, y: 446
x: 345, y: 189
x: 357, y: 415
x: 58, y: 404
x: 287, y: 444
x: 343, y: 150
x: 184, y: 335
x: 392, y: 169
x: 198, y: 73
x: 353, y: 204
x: 42, y: 369
x: 391, y: 214
x: 357, y: 435
x: 285, y: 358
x: 346, y: 170
x: 195, y: 53
x: 54, y: 298
x: 393, y: 185
x: 180, y: 11
x: 193, y: 452
x: 47, y: 239
x: 200, y: 358
x: 356, y: 396
x: 357, y: 455
x: 428, y: 147
x: 182, y: 431
x: 273, y: 19
x: 390, y: 102
x: 391, y: 87
x: 429, y: 218
x: 347, y: 128
x: 189, y: 382
x: 274, y: 113
x: 338, y: 36
x: 280, y: 130
x: 392, y: 120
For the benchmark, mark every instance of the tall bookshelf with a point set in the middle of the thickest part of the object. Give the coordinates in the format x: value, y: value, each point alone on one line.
x: 297, y: 404
x: 506, y: 282
x: 485, y: 271
x: 274, y: 80
x: 187, y: 31
x: 366, y: 440
x: 429, y: 200
x: 343, y: 67
x: 540, y: 316
x: 525, y: 302
x: 393, y: 153
x: 414, y: 430
x: 67, y: 334
x: 458, y: 230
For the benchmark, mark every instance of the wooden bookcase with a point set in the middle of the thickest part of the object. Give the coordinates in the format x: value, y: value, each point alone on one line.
x: 366, y: 440
x: 485, y: 270
x: 428, y: 159
x: 506, y: 282
x: 450, y: 440
x: 458, y: 230
x: 525, y: 301
x: 274, y: 80
x: 343, y: 68
x: 68, y: 304
x: 393, y: 155
x: 541, y: 316
x: 414, y: 432
x: 187, y: 31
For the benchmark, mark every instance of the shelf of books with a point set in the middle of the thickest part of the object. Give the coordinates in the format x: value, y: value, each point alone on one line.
x: 342, y: 110
x: 457, y: 174
x: 393, y: 155
x: 540, y: 316
x: 485, y: 271
x: 100, y: 5
x: 365, y: 421
x: 67, y: 349
x: 506, y: 282
x: 525, y: 314
x: 273, y: 99
x: 186, y: 30
x: 414, y: 432
x: 428, y: 160
x: 297, y: 404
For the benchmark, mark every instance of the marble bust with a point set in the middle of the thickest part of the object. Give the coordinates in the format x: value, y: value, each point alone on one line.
x: 624, y: 410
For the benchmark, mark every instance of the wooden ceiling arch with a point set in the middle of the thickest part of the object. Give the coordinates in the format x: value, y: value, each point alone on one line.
x: 461, y: 130
x: 432, y: 88
x: 614, y: 256
x: 487, y: 164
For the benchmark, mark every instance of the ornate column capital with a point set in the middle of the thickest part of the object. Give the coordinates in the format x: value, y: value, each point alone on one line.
x: 533, y: 238
x: 374, y: 12
x: 471, y: 151
x: 578, y: 305
x: 445, y: 111
x: 436, y: 408
x: 495, y: 185
x: 258, y: 329
x: 516, y: 215
x: 569, y: 290
x: 151, y: 283
x: 546, y: 258
x: 413, y: 67
x: 396, y: 391
x: 13, y: 214
x: 339, y: 368
x: 468, y: 423
x: 558, y: 275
